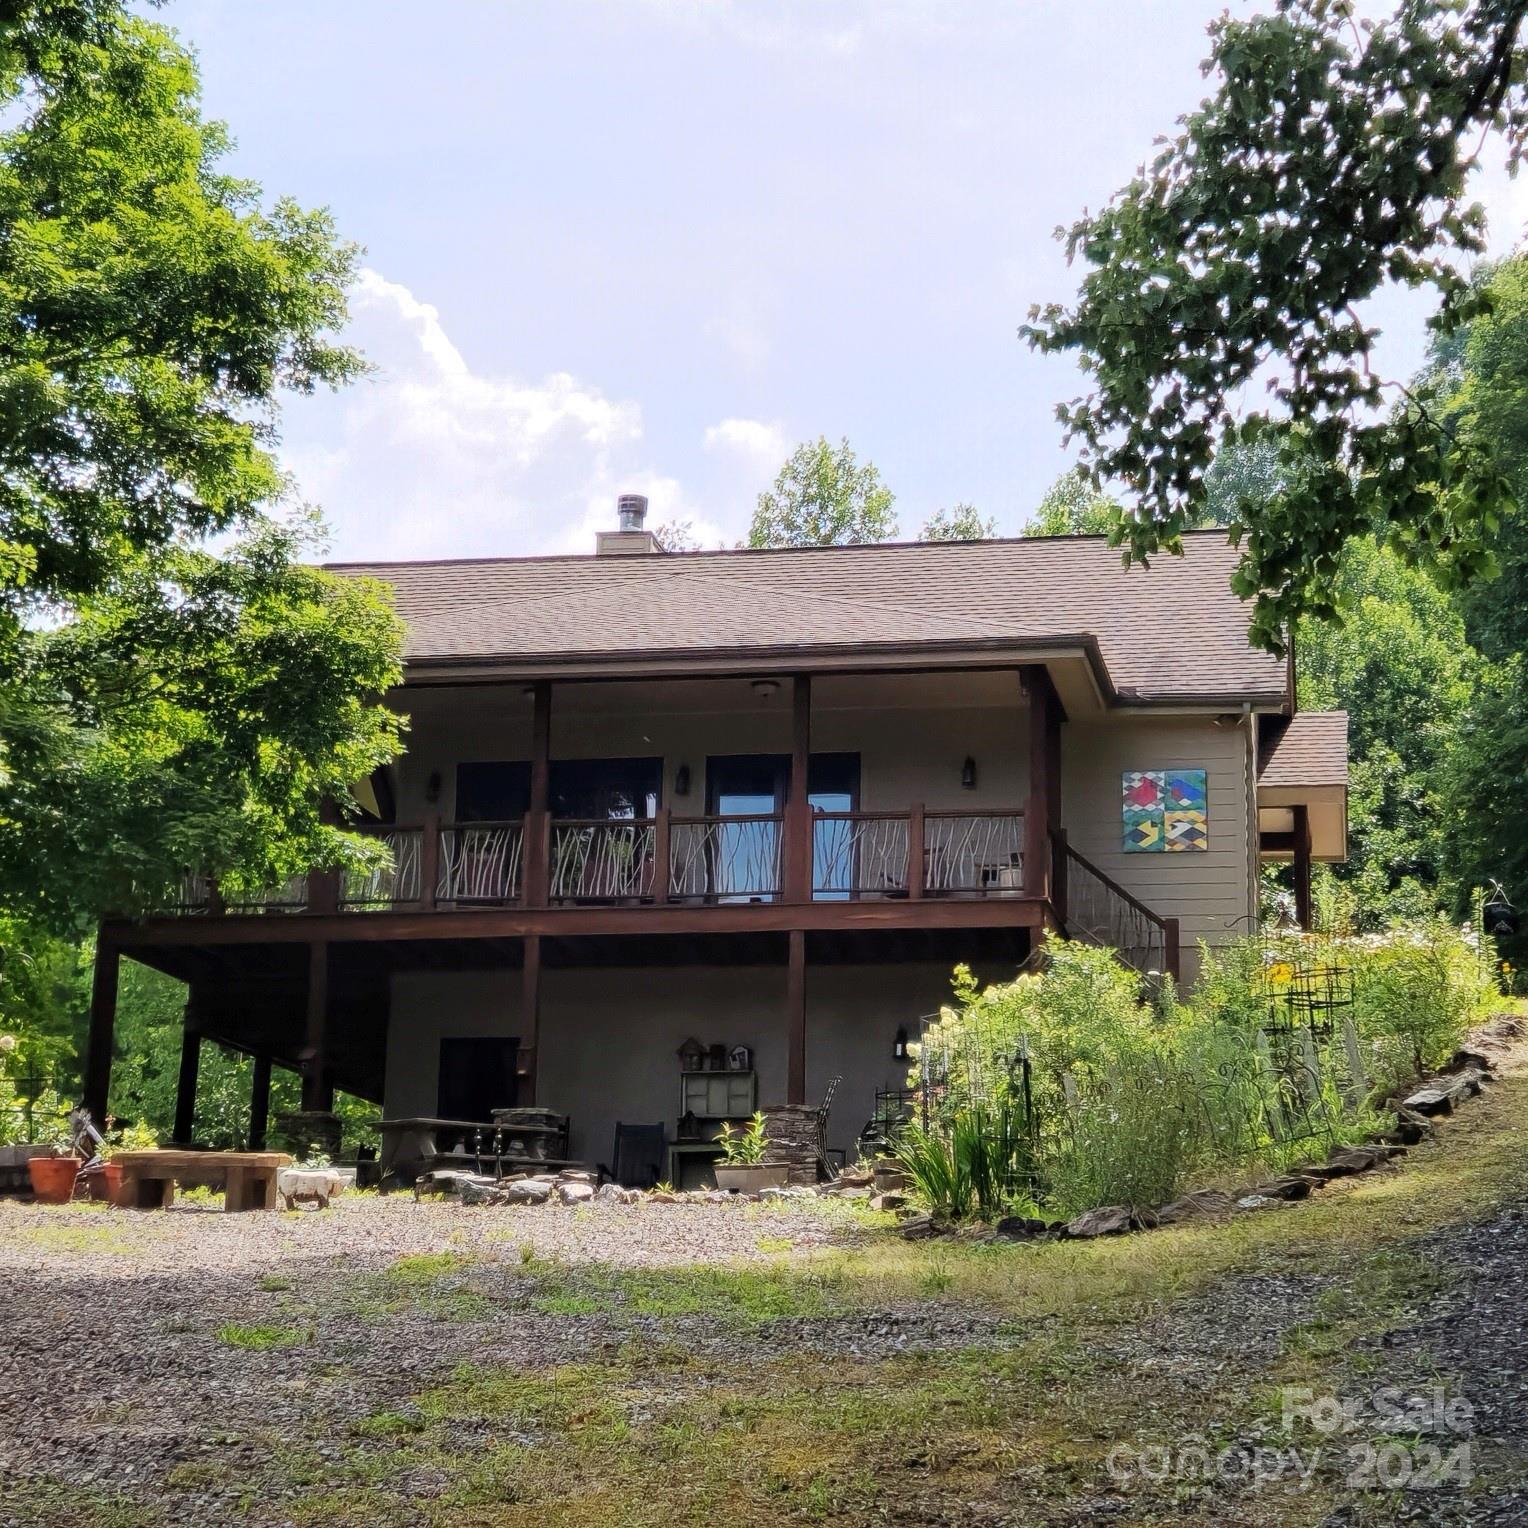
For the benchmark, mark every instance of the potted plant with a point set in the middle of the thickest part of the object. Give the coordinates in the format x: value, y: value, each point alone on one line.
x: 137, y: 1137
x: 742, y: 1168
x: 53, y: 1176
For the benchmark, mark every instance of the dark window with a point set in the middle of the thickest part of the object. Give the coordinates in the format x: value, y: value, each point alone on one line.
x: 605, y: 788
x: 756, y: 784
x: 477, y: 1076
x: 493, y: 792
x: 500, y: 791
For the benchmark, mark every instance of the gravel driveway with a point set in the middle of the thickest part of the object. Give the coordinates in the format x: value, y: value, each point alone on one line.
x: 113, y: 1374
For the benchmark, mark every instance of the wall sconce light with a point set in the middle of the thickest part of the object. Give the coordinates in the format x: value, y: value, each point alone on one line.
x: 968, y: 775
x: 432, y: 787
x: 899, y: 1046
x: 765, y: 689
x: 682, y: 780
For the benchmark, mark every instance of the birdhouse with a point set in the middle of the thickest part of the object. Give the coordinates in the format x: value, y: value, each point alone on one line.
x: 692, y: 1056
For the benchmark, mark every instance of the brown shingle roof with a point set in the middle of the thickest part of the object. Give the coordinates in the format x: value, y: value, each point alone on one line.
x: 1311, y: 750
x: 1172, y: 630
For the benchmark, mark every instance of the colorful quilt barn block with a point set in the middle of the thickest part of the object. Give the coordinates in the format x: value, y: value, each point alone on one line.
x: 1166, y: 810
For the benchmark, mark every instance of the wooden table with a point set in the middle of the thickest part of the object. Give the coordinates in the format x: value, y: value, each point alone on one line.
x: 247, y: 1178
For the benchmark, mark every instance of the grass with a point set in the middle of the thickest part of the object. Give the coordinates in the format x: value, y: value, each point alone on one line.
x: 43, y: 1503
x: 682, y: 1412
x: 658, y: 1433
x: 742, y: 1294
x: 70, y: 1231
x: 262, y: 1338
x: 442, y: 1285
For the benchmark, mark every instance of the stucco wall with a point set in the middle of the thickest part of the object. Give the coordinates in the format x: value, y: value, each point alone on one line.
x: 610, y: 1037
x: 1208, y: 890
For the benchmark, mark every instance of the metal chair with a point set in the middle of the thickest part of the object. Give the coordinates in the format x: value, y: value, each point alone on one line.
x: 639, y: 1155
x: 823, y: 1111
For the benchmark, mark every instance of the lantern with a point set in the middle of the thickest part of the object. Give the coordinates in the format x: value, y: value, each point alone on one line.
x: 1500, y: 915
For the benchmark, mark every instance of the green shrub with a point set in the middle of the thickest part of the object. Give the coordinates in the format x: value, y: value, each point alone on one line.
x: 1131, y: 1135
x: 981, y: 1163
x: 1073, y: 1086
x: 938, y: 1171
x: 745, y: 1146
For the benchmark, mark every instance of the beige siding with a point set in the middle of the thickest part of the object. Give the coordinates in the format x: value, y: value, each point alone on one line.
x: 1208, y: 890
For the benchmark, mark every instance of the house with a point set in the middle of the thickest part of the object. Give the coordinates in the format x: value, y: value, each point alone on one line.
x: 761, y: 800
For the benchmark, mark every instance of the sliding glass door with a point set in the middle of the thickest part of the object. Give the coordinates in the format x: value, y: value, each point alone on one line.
x: 746, y: 863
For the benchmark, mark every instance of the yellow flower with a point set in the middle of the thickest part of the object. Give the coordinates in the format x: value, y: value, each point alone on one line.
x: 1281, y: 971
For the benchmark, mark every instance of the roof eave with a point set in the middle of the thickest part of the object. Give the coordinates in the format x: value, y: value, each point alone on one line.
x: 710, y: 662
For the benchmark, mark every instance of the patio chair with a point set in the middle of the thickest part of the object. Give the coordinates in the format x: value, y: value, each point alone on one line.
x: 639, y: 1155
x: 824, y: 1110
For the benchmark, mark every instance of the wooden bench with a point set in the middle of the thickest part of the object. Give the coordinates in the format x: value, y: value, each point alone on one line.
x: 247, y: 1178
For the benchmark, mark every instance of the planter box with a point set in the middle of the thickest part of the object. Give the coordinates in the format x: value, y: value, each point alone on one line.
x: 752, y: 1179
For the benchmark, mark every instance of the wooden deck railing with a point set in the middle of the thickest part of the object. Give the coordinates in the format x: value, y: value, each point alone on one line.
x: 970, y: 852
x: 721, y: 859
x: 596, y: 861
x: 479, y: 864
x: 666, y: 861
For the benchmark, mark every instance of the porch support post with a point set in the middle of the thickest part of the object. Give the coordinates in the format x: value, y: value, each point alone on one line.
x: 1303, y: 912
x: 259, y: 1101
x: 190, y: 1065
x: 530, y: 1021
x: 537, y: 828
x: 917, y: 833
x: 1173, y: 953
x: 662, y: 855
x: 429, y: 861
x: 103, y: 1024
x: 795, y: 1019
x: 324, y: 884
x: 798, y: 807
x: 317, y: 1090
x: 1042, y: 810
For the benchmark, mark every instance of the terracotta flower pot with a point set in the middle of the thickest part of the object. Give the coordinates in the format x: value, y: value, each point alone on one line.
x: 111, y: 1182
x: 53, y: 1178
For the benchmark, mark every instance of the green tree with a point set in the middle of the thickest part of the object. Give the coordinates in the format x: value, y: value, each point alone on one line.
x: 163, y: 704
x: 1478, y: 387
x: 1399, y: 663
x: 962, y: 522
x: 1332, y: 159
x: 1073, y: 507
x: 823, y: 497
x: 1486, y: 819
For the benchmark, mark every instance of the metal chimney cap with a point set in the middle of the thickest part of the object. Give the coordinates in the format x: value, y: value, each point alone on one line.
x: 631, y: 509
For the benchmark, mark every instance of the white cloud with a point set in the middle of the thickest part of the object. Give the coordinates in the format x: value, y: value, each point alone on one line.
x: 428, y: 457
x: 763, y: 444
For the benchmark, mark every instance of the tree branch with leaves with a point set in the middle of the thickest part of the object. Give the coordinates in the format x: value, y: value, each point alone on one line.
x: 1331, y: 160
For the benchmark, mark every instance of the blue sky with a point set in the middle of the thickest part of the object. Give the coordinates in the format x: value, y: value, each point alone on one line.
x: 653, y: 244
